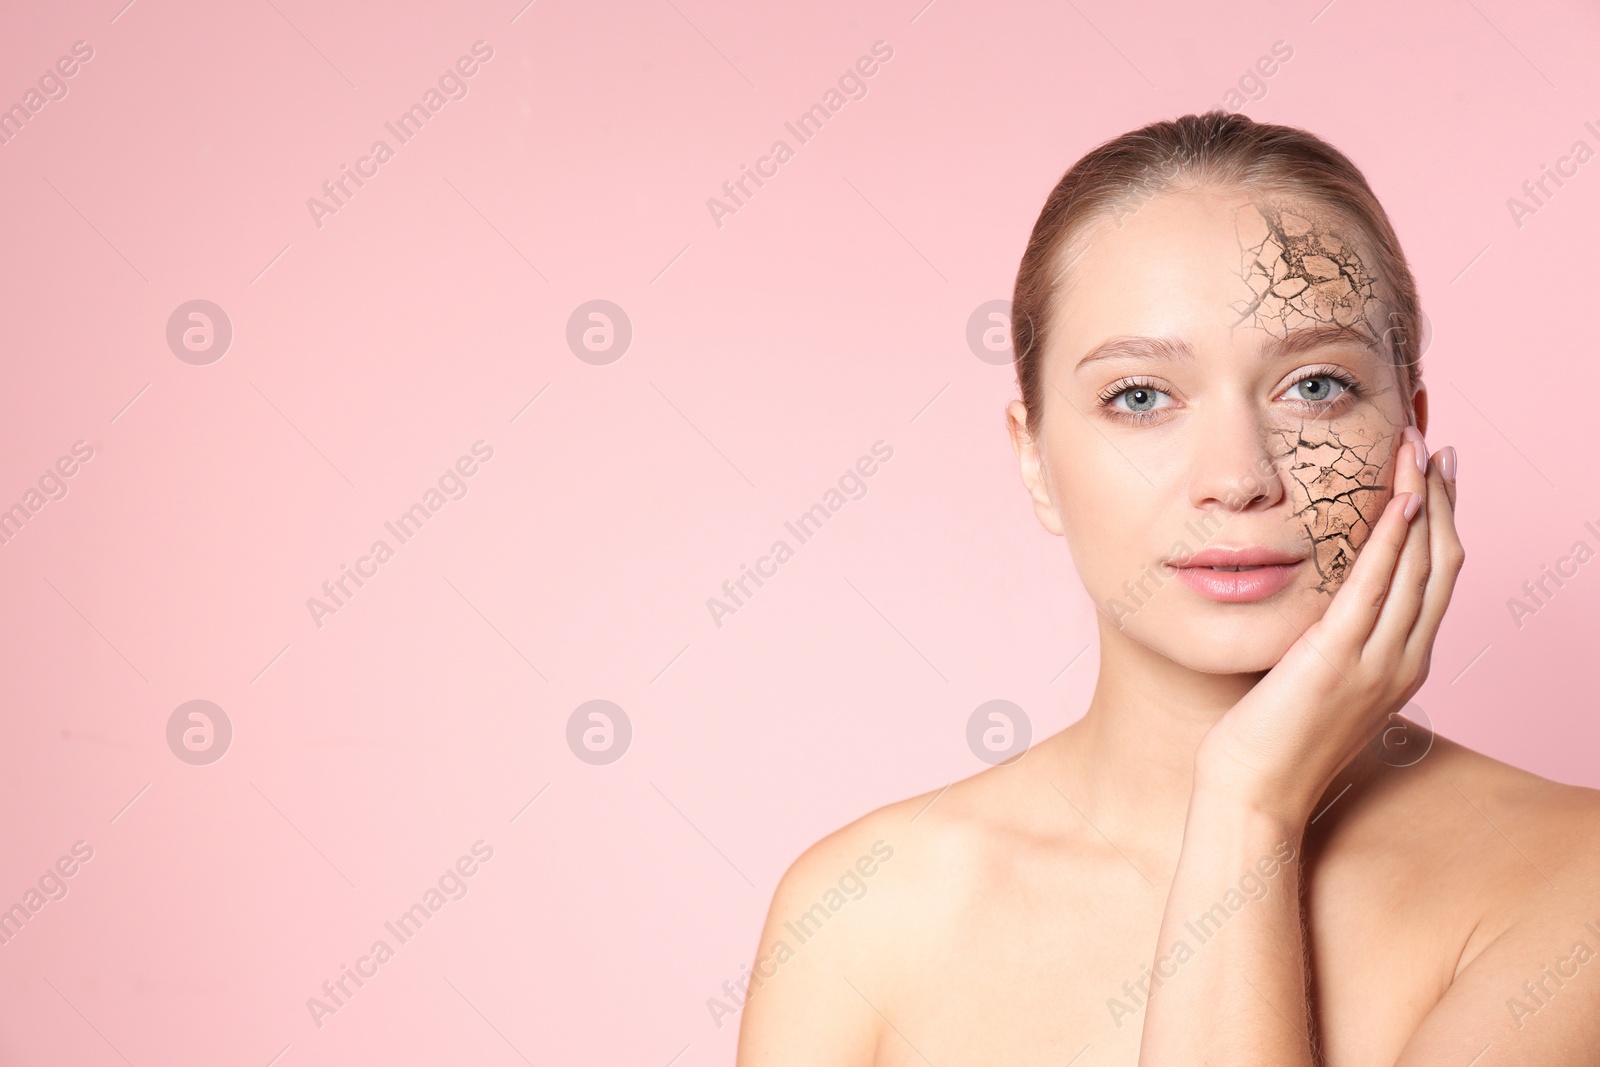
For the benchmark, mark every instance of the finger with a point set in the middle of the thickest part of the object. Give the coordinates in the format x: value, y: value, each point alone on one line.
x: 1447, y: 555
x: 1403, y: 601
x: 1446, y: 459
x: 1349, y: 619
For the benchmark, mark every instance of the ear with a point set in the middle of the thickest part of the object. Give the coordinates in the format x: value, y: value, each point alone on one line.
x: 1031, y: 460
x: 1419, y: 404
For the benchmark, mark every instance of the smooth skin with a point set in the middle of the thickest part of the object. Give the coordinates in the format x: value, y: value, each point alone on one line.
x: 1221, y: 814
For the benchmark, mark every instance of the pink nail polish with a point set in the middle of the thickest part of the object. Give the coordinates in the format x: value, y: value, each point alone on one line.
x: 1447, y: 463
x: 1412, y: 506
x: 1419, y: 447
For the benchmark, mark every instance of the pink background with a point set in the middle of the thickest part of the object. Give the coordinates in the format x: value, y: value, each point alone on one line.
x: 768, y: 355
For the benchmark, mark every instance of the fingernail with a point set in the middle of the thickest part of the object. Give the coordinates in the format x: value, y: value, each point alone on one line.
x: 1447, y: 462
x: 1418, y: 446
x: 1412, y: 505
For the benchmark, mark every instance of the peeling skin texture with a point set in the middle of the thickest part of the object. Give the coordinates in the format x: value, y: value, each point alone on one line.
x: 1301, y: 271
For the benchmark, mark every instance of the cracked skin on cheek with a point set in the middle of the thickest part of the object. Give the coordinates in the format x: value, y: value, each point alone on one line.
x: 1301, y: 272
x: 1339, y: 489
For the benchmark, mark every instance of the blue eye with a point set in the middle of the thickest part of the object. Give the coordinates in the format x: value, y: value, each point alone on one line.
x: 1140, y: 399
x: 1317, y: 389
x: 1136, y: 399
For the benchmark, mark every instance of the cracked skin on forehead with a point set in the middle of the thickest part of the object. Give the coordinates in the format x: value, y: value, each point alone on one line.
x: 1299, y: 271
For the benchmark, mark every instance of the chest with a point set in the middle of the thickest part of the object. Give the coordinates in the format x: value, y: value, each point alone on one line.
x: 1020, y: 975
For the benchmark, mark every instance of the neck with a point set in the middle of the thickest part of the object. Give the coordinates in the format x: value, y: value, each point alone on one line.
x: 1130, y: 759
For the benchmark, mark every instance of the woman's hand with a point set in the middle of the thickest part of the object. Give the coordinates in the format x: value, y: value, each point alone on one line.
x: 1278, y: 749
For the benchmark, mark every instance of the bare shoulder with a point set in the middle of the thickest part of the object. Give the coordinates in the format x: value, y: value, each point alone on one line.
x: 844, y: 910
x: 1553, y: 826
x: 1511, y: 844
x: 1511, y: 860
x: 1560, y: 822
x: 891, y: 870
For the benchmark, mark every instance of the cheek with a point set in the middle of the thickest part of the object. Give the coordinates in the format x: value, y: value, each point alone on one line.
x: 1104, y: 504
x: 1340, y: 478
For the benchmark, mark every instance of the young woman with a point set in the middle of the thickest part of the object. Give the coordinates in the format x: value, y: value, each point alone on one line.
x: 1240, y: 854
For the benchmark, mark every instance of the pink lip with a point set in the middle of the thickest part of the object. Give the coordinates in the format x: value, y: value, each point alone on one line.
x: 1238, y: 587
x: 1223, y: 556
x: 1270, y: 573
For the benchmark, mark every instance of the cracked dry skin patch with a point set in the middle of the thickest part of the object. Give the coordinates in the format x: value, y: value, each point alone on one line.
x: 1339, y: 476
x: 1300, y: 271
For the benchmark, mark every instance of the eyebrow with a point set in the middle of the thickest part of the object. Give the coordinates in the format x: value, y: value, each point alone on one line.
x: 1154, y: 349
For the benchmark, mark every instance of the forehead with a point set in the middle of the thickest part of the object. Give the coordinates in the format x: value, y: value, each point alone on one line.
x: 1215, y: 266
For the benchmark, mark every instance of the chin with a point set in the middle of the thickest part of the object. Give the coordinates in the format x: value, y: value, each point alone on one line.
x: 1247, y: 641
x: 1249, y: 656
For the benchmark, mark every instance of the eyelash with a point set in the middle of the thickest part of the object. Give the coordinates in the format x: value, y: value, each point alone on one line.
x: 1351, y: 388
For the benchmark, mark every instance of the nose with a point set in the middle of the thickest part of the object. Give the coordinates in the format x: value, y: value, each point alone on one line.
x: 1235, y: 464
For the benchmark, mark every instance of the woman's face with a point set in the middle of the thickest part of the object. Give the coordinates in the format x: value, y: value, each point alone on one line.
x: 1217, y: 380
